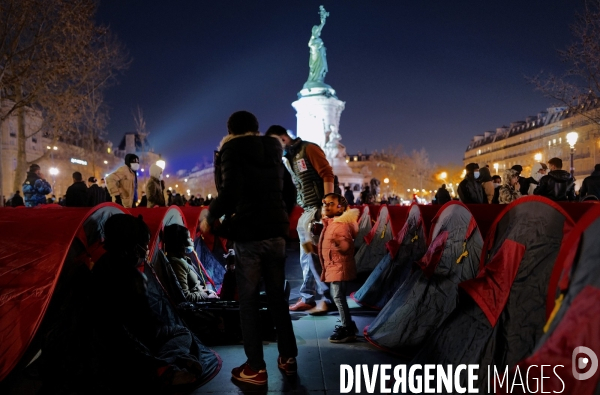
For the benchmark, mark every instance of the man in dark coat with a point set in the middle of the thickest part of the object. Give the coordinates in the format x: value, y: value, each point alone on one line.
x: 442, y: 196
x: 590, y: 185
x: 257, y: 224
x: 349, y: 195
x: 469, y: 190
x: 558, y: 184
x: 96, y: 195
x: 35, y: 187
x: 77, y: 193
x: 17, y: 200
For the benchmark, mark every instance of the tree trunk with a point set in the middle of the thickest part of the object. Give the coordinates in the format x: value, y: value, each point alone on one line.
x: 21, y: 170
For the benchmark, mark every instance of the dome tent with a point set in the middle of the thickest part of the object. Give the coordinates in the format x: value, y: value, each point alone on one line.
x: 430, y: 294
x: 574, y: 321
x: 364, y: 226
x: 408, y: 246
x: 502, y: 311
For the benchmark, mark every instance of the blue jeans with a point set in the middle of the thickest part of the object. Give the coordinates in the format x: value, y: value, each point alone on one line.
x: 312, y: 287
x: 255, y: 260
x: 338, y: 293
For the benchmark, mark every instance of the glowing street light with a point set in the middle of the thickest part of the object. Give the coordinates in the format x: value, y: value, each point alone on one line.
x: 53, y: 171
x: 386, y: 180
x: 496, y: 167
x: 106, y: 162
x: 572, y: 140
x: 161, y: 163
x: 537, y: 157
x: 443, y: 175
x: 55, y: 148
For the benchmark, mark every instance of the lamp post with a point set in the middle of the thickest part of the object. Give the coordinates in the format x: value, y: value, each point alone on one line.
x: 53, y: 173
x: 572, y: 140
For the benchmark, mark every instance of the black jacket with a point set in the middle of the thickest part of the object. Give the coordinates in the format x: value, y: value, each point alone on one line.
x: 442, y: 196
x: 253, y: 193
x: 557, y: 185
x: 524, y: 184
x: 591, y: 185
x: 470, y: 191
x: 95, y: 195
x: 77, y: 195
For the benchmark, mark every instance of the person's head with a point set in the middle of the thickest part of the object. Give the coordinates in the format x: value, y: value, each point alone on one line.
x: 443, y: 186
x: 132, y: 161
x: 511, y: 177
x: 597, y: 167
x: 91, y: 181
x: 281, y: 133
x: 156, y: 171
x: 241, y: 122
x: 177, y: 241
x: 538, y: 170
x: 127, y: 236
x: 17, y: 192
x: 484, y: 174
x: 517, y: 168
x: 347, y: 188
x: 77, y: 177
x: 334, y: 205
x: 472, y: 169
x: 169, y: 192
x: 143, y: 193
x: 34, y: 168
x: 497, y: 180
x: 555, y: 164
x: 102, y: 182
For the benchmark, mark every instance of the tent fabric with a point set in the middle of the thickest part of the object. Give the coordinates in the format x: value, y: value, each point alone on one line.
x: 364, y: 226
x: 294, y: 217
x: 430, y: 294
x: 576, y: 320
x: 502, y: 311
x: 373, y: 250
x: 408, y: 246
x: 30, y: 268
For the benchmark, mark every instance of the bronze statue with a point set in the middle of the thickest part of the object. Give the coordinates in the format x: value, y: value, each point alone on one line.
x: 318, y: 58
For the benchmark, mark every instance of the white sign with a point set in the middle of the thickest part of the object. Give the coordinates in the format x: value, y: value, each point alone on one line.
x: 79, y: 161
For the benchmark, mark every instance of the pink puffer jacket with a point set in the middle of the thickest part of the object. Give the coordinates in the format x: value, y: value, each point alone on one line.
x: 336, y: 247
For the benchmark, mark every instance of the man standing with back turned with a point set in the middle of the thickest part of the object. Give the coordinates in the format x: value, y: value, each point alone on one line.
x: 257, y: 224
x: 313, y: 177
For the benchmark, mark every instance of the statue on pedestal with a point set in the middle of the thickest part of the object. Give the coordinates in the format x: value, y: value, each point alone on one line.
x: 318, y: 58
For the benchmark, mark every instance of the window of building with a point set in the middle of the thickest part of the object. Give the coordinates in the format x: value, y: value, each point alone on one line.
x: 34, y: 140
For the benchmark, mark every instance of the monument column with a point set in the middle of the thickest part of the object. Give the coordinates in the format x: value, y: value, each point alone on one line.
x: 318, y: 111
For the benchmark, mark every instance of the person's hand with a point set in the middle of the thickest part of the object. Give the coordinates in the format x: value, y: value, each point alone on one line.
x: 517, y: 185
x: 204, y: 226
x: 212, y: 295
x: 118, y: 200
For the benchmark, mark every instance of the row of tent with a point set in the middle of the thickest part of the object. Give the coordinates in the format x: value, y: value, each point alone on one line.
x: 40, y: 250
x: 513, y: 286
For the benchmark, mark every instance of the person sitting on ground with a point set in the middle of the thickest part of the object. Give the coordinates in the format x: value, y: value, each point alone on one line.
x: 178, y: 243
x: 17, y: 200
x: 139, y: 350
x: 336, y: 253
x: 77, y: 193
x: 509, y: 191
x: 590, y: 185
x: 558, y: 184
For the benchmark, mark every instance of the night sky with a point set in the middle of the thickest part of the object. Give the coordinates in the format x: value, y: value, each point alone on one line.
x: 422, y: 74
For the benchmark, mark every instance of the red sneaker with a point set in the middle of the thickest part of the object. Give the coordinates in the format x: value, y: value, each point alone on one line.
x: 287, y: 366
x: 248, y: 375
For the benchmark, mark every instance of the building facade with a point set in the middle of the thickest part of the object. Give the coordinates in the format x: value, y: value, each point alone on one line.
x: 540, y: 138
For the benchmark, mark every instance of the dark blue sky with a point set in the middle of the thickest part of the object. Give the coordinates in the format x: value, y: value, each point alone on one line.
x: 423, y: 74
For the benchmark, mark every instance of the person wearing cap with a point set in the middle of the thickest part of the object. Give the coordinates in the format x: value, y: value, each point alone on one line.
x: 177, y: 244
x: 523, y: 182
x: 469, y: 190
x: 122, y: 184
x: 35, y: 188
x: 558, y: 184
x: 95, y: 194
x: 77, y: 193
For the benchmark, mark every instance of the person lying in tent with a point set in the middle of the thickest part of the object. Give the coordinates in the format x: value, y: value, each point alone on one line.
x: 178, y: 243
x: 140, y: 351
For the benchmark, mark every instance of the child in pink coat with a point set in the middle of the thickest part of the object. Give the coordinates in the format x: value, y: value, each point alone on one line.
x: 336, y: 253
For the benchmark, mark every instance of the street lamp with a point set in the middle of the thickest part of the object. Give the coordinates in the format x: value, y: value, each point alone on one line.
x: 53, y: 172
x: 161, y: 163
x: 496, y: 167
x: 572, y: 140
x: 537, y: 157
x: 443, y: 175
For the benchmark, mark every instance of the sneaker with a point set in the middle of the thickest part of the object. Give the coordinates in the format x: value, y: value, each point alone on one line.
x: 341, y: 334
x: 287, y: 366
x: 246, y: 374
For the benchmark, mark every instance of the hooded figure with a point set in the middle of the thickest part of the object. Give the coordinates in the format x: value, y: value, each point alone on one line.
x: 154, y: 189
x: 35, y: 188
x: 538, y: 170
x: 558, y: 184
x: 122, y: 184
x: 469, y: 191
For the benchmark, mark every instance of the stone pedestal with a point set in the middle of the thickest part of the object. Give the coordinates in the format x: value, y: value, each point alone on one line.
x: 318, y: 112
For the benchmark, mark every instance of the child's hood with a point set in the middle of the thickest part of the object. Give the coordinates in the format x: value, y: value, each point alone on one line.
x: 349, y: 216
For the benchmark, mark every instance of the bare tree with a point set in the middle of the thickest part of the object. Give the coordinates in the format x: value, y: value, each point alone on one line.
x: 580, y: 84
x: 53, y: 57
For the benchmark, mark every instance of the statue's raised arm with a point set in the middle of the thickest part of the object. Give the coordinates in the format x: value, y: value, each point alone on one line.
x: 318, y: 59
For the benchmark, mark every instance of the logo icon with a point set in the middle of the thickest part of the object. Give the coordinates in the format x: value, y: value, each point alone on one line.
x: 582, y: 362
